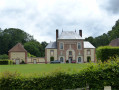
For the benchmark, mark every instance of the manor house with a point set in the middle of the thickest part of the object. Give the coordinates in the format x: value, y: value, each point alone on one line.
x: 70, y: 47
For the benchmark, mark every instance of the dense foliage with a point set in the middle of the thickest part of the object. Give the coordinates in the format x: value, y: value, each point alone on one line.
x: 6, y: 62
x: 105, y: 39
x: 96, y: 76
x: 4, y: 56
x: 106, y: 52
x: 10, y: 37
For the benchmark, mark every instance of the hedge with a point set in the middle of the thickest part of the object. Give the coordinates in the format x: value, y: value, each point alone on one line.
x: 96, y: 76
x: 106, y: 52
x: 5, y: 62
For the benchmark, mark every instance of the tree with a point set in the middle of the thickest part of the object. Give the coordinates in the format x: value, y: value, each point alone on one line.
x: 33, y: 47
x: 10, y: 37
x: 105, y: 39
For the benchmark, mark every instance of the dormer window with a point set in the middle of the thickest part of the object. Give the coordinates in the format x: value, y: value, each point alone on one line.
x: 61, y: 46
x: 79, y: 45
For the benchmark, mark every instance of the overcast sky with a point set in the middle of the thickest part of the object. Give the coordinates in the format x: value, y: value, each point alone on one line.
x: 41, y: 18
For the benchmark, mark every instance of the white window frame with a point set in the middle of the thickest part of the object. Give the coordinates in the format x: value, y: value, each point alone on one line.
x: 88, y: 52
x: 77, y: 46
x: 51, y: 52
x: 63, y: 46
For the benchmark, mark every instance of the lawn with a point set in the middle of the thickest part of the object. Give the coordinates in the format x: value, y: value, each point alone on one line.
x: 41, y: 68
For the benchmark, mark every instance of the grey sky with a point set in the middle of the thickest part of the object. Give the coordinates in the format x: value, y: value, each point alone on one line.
x: 41, y: 18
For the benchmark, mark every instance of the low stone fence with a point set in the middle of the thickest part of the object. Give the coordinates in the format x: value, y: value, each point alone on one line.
x: 35, y: 60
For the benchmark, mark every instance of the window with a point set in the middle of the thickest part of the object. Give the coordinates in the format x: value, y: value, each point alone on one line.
x: 88, y: 52
x: 70, y: 52
x: 61, y: 45
x: 79, y: 59
x: 79, y: 45
x: 61, y: 59
x: 52, y: 52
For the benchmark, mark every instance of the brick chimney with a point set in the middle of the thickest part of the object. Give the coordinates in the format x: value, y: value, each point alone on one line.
x: 80, y: 33
x: 56, y: 34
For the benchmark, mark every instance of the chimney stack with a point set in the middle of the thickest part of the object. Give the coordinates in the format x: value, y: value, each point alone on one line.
x: 80, y: 33
x: 56, y: 34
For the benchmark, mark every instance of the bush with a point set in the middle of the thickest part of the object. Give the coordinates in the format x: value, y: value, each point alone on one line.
x: 107, y: 52
x: 6, y: 62
x: 22, y: 62
x: 67, y: 61
x: 51, y: 58
x: 4, y: 56
x: 95, y: 75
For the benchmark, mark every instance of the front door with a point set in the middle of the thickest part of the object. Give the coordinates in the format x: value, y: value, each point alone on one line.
x: 70, y: 59
x: 34, y: 61
x: 17, y: 62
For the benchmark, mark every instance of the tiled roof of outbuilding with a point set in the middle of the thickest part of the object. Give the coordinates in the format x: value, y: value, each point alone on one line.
x: 69, y: 35
x: 17, y: 48
x: 114, y: 42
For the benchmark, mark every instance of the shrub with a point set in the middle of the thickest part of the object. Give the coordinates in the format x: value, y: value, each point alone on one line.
x: 67, y: 61
x: 95, y: 75
x: 51, y: 58
x: 4, y: 56
x: 6, y: 62
x: 107, y: 52
x: 88, y: 59
x: 22, y: 62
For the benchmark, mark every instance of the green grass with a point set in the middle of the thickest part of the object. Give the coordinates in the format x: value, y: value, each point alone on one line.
x: 40, y: 68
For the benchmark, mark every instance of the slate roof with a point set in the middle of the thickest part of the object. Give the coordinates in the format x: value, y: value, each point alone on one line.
x: 114, y: 42
x: 69, y: 35
x: 17, y: 48
x: 88, y: 45
x: 51, y: 45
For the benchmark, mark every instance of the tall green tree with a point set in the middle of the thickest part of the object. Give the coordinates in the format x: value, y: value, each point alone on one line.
x: 10, y: 37
x: 105, y: 39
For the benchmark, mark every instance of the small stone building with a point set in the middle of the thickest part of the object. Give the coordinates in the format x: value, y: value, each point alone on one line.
x: 18, y: 54
x: 70, y: 47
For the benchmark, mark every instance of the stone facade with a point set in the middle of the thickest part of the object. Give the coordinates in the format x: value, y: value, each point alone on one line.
x: 18, y: 53
x: 50, y: 53
x: 17, y: 56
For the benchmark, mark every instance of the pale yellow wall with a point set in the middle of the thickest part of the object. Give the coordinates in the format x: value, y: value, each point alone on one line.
x: 92, y: 55
x: 38, y: 59
x: 41, y: 59
x: 17, y: 55
x: 29, y: 60
x: 48, y: 54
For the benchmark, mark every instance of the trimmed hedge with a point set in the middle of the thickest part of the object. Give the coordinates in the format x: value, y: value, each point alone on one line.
x: 96, y: 76
x: 107, y: 52
x: 6, y: 62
